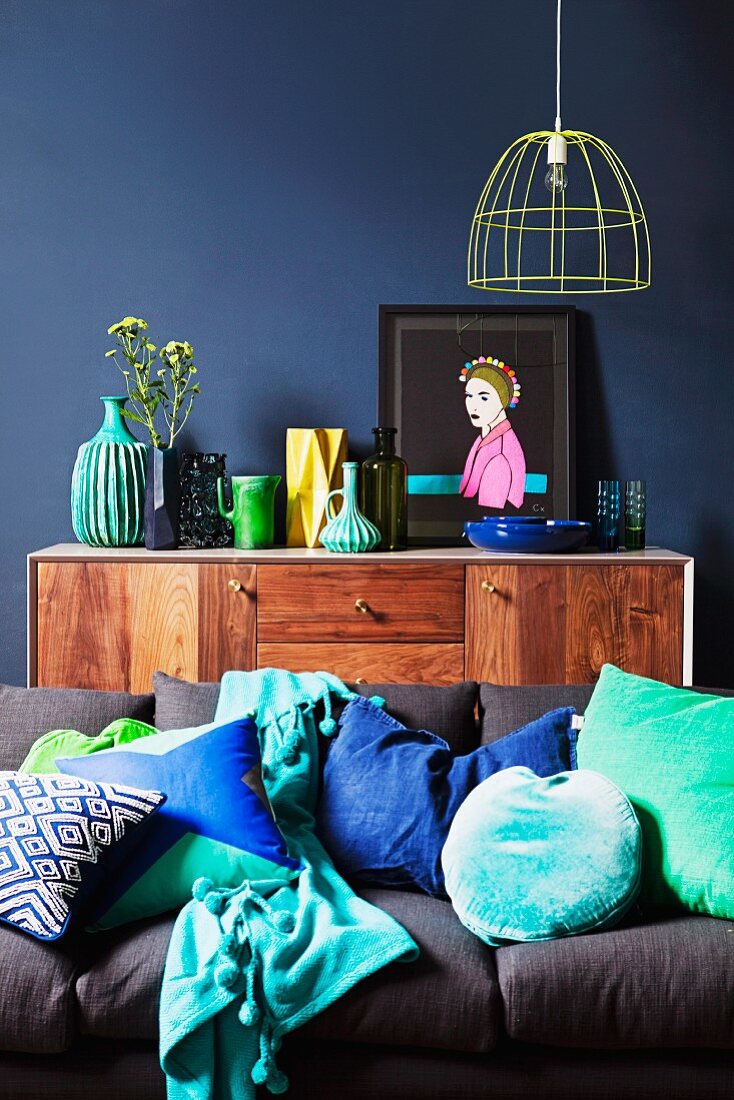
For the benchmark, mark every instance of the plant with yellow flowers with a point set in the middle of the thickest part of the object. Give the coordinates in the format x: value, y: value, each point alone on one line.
x: 153, y: 391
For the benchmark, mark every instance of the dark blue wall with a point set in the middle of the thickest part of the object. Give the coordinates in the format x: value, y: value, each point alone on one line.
x: 256, y: 176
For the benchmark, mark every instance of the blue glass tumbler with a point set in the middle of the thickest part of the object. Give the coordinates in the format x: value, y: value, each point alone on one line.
x: 607, y: 516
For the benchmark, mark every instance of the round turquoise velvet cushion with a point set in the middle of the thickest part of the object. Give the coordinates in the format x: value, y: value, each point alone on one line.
x: 534, y: 859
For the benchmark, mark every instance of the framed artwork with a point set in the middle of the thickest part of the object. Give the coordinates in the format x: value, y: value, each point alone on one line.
x: 483, y: 401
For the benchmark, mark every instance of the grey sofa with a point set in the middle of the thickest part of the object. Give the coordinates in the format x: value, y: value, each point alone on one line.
x: 644, y: 1010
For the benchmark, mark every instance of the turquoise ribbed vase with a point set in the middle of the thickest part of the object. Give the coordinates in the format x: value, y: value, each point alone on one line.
x: 350, y: 532
x: 108, y: 483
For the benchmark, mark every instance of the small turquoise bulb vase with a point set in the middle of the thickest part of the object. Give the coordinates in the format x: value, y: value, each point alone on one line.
x: 349, y: 532
x: 108, y: 483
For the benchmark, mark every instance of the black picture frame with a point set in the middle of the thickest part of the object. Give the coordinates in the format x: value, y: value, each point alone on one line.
x: 416, y: 362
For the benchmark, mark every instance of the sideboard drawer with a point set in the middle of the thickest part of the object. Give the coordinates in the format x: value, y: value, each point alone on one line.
x: 370, y: 662
x: 333, y: 603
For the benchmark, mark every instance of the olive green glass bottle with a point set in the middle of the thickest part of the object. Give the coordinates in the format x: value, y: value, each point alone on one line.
x: 385, y: 491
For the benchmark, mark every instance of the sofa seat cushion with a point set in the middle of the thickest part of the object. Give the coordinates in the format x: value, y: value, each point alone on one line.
x: 448, y: 998
x: 118, y: 994
x: 663, y: 984
x: 37, y: 1006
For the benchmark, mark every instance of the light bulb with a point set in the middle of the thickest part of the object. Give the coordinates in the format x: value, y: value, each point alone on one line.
x: 556, y: 178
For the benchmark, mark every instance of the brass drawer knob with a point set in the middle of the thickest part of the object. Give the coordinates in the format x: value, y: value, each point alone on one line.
x: 234, y: 585
x: 360, y: 605
x: 360, y: 680
x: 487, y: 586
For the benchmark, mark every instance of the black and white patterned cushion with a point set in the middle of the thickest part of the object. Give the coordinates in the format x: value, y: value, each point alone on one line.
x: 60, y: 836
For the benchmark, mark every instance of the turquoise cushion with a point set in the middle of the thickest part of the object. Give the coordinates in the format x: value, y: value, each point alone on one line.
x: 529, y: 858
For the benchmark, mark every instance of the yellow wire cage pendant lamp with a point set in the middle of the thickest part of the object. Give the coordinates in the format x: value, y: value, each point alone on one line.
x: 568, y: 222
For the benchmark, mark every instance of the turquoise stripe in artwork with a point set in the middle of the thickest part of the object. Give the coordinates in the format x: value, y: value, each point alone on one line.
x: 536, y: 483
x: 433, y: 485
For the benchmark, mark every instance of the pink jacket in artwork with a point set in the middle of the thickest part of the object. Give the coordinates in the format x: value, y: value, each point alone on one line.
x: 495, y: 469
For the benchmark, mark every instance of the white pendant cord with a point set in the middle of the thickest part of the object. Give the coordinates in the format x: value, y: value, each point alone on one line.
x: 558, y: 67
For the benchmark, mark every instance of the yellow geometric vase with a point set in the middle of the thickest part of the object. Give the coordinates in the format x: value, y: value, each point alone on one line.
x: 313, y: 464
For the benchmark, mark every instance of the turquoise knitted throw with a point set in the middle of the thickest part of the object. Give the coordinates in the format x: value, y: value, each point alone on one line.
x: 249, y: 965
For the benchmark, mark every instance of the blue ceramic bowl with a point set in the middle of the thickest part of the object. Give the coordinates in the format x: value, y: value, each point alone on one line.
x: 527, y: 535
x: 512, y: 519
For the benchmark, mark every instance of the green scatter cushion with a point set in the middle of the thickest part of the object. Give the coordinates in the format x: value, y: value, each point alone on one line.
x: 535, y: 858
x: 41, y: 759
x: 672, y: 752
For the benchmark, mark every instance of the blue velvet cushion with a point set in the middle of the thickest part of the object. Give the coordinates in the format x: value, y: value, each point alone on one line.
x: 530, y: 858
x: 60, y: 839
x: 390, y: 793
x: 216, y: 824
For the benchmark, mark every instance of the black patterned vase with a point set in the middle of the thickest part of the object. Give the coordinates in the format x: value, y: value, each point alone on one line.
x: 201, y: 525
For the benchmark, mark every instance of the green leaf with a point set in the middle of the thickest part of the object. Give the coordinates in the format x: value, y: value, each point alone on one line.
x: 130, y: 415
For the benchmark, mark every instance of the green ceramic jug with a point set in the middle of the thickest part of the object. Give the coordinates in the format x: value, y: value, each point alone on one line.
x: 253, y: 510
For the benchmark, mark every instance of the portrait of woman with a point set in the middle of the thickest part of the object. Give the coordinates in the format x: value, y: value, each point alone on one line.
x: 495, y: 468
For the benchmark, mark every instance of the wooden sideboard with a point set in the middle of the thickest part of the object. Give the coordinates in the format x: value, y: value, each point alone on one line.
x: 109, y: 618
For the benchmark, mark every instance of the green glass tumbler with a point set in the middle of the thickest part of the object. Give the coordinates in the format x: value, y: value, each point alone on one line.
x: 635, y: 515
x: 385, y: 491
x: 252, y: 514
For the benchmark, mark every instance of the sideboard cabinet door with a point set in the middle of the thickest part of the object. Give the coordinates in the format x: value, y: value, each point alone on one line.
x: 542, y: 624
x: 110, y: 625
x: 227, y: 619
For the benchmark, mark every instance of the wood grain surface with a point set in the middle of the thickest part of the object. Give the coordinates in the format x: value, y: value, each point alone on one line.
x: 517, y: 629
x: 110, y: 624
x: 227, y: 619
x: 163, y: 623
x: 595, y: 627
x: 373, y: 662
x: 560, y: 624
x: 83, y: 634
x: 655, y: 626
x: 303, y: 603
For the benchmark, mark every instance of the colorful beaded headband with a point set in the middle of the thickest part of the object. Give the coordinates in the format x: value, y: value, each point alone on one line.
x: 468, y: 369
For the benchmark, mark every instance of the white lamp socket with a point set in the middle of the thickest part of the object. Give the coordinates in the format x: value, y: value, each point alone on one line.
x: 557, y: 149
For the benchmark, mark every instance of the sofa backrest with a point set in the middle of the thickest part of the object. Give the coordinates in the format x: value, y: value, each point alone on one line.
x: 503, y: 708
x: 447, y: 711
x: 26, y: 713
x: 464, y: 714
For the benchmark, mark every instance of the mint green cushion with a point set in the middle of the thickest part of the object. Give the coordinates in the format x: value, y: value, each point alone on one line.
x: 531, y: 858
x: 672, y: 752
